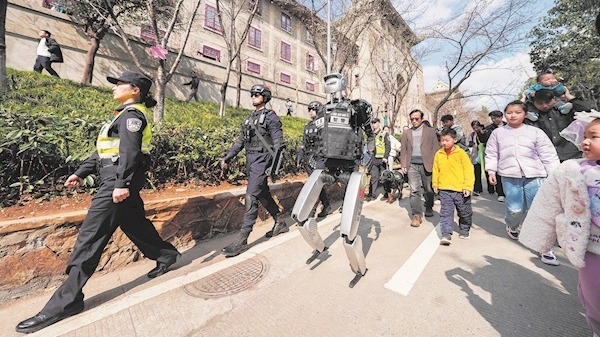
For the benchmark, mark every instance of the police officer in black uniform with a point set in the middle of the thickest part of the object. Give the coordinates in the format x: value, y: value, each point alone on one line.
x: 308, y: 152
x: 261, y: 137
x: 121, y: 159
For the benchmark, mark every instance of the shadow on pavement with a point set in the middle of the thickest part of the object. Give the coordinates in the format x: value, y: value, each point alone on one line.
x: 517, y: 301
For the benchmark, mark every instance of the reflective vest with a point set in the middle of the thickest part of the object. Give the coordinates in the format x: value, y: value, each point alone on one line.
x: 108, y: 147
x: 380, y: 144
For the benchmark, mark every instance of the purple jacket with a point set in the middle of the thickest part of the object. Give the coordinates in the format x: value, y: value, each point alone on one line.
x: 522, y: 152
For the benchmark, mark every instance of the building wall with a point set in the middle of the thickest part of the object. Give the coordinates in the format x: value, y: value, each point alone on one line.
x: 26, y: 18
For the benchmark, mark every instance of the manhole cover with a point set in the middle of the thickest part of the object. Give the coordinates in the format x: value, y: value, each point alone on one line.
x: 230, y: 280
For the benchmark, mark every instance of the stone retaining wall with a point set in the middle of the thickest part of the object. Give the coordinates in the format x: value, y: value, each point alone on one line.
x: 34, y: 252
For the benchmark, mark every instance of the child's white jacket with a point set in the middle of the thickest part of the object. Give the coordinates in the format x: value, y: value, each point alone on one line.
x: 560, y: 210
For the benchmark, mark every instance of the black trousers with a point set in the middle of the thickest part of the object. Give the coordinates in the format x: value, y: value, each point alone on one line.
x: 478, y: 187
x: 103, y: 218
x: 375, y: 173
x: 43, y: 62
x: 493, y: 189
x: 258, y: 189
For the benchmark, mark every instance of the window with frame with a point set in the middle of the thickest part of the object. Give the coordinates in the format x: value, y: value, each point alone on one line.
x: 311, y: 63
x: 286, y: 52
x: 211, y: 53
x: 285, y: 78
x: 255, y: 37
x: 211, y: 18
x: 311, y: 86
x: 309, y: 38
x: 286, y: 22
x: 253, y: 67
x: 258, y: 8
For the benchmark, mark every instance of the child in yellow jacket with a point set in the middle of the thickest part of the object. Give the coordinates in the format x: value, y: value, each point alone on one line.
x: 453, y: 179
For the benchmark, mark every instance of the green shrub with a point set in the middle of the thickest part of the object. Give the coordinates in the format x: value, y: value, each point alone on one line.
x: 48, y: 126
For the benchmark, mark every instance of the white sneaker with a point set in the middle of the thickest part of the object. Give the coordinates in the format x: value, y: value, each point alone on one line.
x: 501, y: 198
x: 549, y: 258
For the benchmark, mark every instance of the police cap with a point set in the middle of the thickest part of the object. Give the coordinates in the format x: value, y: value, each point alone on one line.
x: 136, y: 79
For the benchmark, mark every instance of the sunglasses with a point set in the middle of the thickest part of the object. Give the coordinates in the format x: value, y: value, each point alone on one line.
x: 254, y: 94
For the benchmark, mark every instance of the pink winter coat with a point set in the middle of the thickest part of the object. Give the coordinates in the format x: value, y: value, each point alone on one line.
x: 522, y: 152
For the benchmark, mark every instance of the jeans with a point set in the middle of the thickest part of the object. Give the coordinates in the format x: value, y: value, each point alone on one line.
x: 519, y: 195
x: 449, y: 200
x: 417, y: 178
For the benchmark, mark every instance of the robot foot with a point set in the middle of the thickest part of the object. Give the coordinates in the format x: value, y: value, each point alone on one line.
x: 315, y: 254
x: 357, y: 278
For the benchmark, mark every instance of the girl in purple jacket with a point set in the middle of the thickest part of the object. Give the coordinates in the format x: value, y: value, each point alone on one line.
x: 523, y: 156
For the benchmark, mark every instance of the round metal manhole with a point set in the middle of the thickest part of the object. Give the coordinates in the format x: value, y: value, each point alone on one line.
x: 230, y: 280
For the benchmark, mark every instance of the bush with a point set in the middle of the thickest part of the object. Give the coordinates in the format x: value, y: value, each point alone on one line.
x: 44, y: 137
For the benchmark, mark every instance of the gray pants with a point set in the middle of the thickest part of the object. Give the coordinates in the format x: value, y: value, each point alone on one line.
x: 419, y: 178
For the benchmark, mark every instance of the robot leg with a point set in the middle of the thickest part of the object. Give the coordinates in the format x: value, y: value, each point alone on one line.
x: 308, y: 197
x: 353, y: 200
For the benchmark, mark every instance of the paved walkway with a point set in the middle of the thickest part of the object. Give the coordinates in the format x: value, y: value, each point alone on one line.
x: 487, y: 285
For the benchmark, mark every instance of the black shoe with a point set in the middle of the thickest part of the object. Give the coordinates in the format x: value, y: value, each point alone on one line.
x: 279, y: 227
x: 324, y: 212
x: 237, y: 246
x: 384, y: 197
x: 428, y: 212
x: 41, y: 321
x: 162, y: 268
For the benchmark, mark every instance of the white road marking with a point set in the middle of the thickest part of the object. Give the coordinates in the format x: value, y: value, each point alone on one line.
x: 406, y: 277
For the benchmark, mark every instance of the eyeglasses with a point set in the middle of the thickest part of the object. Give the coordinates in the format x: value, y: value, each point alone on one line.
x: 415, y: 119
x: 254, y: 94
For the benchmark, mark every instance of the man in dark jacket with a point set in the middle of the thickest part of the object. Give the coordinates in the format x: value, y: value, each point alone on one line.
x: 48, y: 51
x: 552, y: 121
x: 195, y: 81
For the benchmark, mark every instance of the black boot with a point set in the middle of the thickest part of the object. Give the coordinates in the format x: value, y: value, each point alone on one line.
x: 324, y: 212
x: 237, y: 246
x: 279, y: 227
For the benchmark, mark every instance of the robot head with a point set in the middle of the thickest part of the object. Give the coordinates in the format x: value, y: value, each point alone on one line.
x: 334, y: 83
x: 314, y: 105
x: 262, y: 90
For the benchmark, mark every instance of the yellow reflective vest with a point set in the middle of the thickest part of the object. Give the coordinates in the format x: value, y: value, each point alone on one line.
x: 108, y: 147
x: 380, y: 144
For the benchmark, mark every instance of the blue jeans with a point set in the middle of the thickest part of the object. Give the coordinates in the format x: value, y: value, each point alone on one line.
x: 519, y: 195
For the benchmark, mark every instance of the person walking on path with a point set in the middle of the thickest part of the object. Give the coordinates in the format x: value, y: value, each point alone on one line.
x: 379, y: 160
x: 261, y: 135
x: 496, y: 117
x: 418, y: 147
x: 452, y: 180
x: 193, y: 83
x: 121, y: 159
x: 48, y: 51
x: 309, y: 153
x: 523, y: 156
x: 288, y: 106
x: 476, y: 154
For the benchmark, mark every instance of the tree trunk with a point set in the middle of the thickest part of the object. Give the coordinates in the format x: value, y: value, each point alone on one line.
x: 239, y: 82
x: 90, y: 57
x: 223, y: 91
x: 3, y: 80
x: 160, y: 82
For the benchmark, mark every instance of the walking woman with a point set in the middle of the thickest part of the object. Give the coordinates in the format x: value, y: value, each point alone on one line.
x: 121, y: 159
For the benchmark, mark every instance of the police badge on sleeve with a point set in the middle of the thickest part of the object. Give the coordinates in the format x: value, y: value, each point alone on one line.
x: 134, y: 124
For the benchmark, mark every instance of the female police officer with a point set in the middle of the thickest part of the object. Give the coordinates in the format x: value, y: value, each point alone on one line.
x: 121, y: 159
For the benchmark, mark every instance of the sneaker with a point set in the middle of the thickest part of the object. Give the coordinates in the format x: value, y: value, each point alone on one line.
x: 446, y: 240
x: 437, y: 202
x: 549, y: 258
x: 384, y: 197
x: 501, y: 198
x: 565, y: 108
x: 464, y: 235
x: 512, y: 233
x: 532, y: 116
x: 428, y: 212
x: 416, y: 221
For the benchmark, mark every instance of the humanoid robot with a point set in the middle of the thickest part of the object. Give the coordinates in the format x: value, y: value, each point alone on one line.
x: 342, y: 125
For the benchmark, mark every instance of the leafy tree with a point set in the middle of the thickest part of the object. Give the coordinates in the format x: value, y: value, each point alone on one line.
x: 566, y: 42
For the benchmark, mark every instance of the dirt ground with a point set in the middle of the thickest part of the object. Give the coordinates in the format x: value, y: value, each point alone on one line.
x: 81, y: 201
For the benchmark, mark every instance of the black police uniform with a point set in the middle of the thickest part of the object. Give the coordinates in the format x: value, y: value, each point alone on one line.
x: 258, y: 159
x: 308, y: 154
x: 104, y: 215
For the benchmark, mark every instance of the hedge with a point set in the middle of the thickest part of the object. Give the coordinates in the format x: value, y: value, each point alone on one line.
x: 48, y: 126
